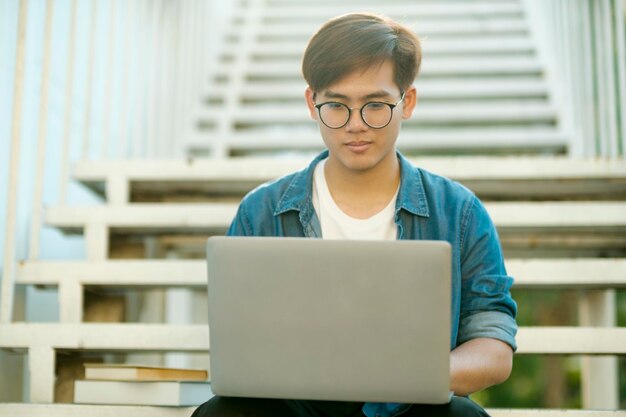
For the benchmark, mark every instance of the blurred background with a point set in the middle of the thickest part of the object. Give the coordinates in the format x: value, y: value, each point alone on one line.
x: 111, y: 106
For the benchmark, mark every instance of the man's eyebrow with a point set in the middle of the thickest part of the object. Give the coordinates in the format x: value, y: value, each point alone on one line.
x: 332, y: 94
x: 376, y: 95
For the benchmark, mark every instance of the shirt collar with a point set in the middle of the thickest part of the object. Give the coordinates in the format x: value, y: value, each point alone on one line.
x: 411, y: 196
x: 300, y: 191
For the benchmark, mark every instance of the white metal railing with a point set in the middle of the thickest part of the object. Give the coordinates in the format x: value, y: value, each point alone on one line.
x: 123, y: 84
x: 112, y: 80
x: 582, y: 42
x: 89, y: 79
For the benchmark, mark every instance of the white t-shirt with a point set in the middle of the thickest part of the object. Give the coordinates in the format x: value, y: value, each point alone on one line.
x: 338, y: 225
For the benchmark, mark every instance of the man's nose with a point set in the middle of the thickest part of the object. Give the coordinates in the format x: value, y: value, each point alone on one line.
x: 356, y: 122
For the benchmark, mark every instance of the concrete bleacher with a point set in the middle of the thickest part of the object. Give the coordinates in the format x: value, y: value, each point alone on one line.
x: 123, y: 215
x: 482, y: 85
x: 562, y: 220
x: 66, y: 410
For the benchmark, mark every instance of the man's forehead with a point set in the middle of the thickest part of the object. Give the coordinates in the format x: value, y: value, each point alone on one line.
x: 350, y: 94
x: 374, y: 81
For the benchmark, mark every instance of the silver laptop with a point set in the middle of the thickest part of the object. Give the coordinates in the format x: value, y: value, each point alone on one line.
x: 329, y: 319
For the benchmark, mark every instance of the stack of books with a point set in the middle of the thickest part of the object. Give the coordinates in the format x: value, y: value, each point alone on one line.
x: 142, y: 385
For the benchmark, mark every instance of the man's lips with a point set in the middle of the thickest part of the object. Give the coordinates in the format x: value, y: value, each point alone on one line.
x: 358, y: 145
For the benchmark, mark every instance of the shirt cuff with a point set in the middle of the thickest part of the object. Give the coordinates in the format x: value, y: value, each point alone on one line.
x: 490, y: 324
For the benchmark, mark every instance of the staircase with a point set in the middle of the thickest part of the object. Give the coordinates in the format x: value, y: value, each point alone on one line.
x: 481, y: 90
x: 485, y: 118
x: 550, y: 243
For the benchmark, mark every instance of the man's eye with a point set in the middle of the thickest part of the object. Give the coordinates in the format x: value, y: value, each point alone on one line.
x: 334, y: 106
x: 376, y: 105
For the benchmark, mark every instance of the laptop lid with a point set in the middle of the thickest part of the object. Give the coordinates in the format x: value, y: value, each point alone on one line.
x: 338, y: 320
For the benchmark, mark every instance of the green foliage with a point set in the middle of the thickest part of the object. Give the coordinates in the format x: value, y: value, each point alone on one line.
x: 541, y: 381
x: 621, y: 321
x: 531, y: 382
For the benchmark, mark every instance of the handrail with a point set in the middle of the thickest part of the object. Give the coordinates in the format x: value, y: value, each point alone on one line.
x: 89, y: 84
x: 35, y: 230
x: 108, y: 92
x: 583, y: 44
x: 585, y: 52
x: 89, y: 112
x: 69, y: 94
x: 6, y: 306
x: 145, y: 96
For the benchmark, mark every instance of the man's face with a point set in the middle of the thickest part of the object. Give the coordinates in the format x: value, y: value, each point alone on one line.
x: 357, y: 147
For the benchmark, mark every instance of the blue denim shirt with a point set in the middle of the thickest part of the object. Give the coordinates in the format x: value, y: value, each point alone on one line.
x: 428, y: 207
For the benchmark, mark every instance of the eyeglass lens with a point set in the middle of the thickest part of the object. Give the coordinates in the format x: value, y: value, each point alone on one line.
x: 374, y: 114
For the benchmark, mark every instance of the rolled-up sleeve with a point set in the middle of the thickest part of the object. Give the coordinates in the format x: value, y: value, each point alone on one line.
x: 487, y: 308
x: 491, y: 324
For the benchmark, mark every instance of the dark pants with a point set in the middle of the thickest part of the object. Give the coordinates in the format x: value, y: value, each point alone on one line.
x: 253, y: 407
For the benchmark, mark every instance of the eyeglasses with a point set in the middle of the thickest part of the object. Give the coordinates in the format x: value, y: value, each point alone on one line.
x: 375, y: 114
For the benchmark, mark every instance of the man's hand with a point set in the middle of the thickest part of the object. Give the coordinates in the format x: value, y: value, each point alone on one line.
x: 478, y: 364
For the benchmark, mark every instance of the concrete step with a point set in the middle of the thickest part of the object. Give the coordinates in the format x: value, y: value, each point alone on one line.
x: 428, y: 89
x: 460, y: 26
x: 132, y: 337
x: 488, y: 41
x: 257, y: 169
x: 292, y: 11
x: 528, y: 273
x: 75, y: 410
x: 549, y: 178
x: 474, y: 113
x: 523, y: 139
x: 116, y: 337
x: 437, y: 66
x: 140, y: 218
x: 286, y: 48
x: 495, y: 412
x: 72, y: 278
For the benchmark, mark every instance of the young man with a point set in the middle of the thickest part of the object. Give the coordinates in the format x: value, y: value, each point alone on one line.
x: 360, y: 70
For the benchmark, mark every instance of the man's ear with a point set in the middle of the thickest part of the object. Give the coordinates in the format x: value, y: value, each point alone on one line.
x: 310, y: 102
x: 409, y: 103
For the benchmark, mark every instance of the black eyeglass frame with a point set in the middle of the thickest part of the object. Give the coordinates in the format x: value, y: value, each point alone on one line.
x: 391, y: 107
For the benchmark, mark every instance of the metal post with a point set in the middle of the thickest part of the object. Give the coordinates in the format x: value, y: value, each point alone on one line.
x: 175, y: 83
x: 89, y: 86
x: 190, y: 45
x: 35, y: 227
x: 145, y: 81
x: 69, y: 92
x: 599, y: 78
x: 619, y: 68
x: 136, y: 79
x: 125, y: 95
x: 106, y: 135
x: 153, y: 77
x: 196, y: 53
x: 164, y: 114
x: 587, y: 116
x: 568, y: 103
x: 187, y: 72
x: 600, y: 379
x: 6, y: 307
x: 610, y: 84
x: 181, y: 80
x: 577, y: 95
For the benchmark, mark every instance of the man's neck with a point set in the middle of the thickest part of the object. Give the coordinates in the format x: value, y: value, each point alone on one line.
x: 361, y: 194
